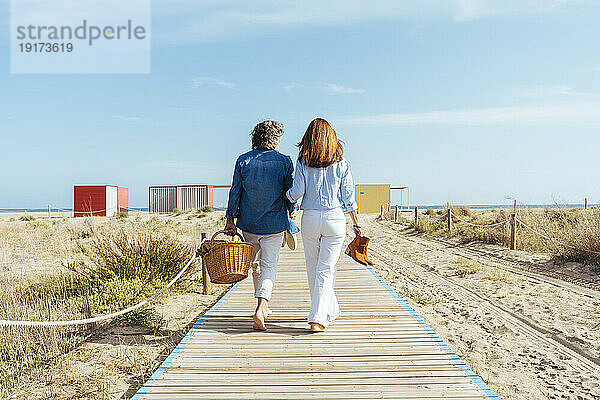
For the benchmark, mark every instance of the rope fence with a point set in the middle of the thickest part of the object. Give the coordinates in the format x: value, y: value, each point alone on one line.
x: 61, y: 209
x: 89, y: 212
x: 87, y: 321
x: 514, y: 220
x: 554, y: 240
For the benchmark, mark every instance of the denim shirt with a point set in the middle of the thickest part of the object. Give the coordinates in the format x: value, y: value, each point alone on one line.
x: 256, y: 197
x: 323, y: 188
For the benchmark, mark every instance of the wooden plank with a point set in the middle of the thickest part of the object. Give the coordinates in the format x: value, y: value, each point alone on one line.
x: 439, y: 389
x: 322, y: 376
x: 316, y: 396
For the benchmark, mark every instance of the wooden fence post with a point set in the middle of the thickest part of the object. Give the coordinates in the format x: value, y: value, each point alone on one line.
x: 396, y: 219
x: 513, y: 227
x: 381, y: 213
x: 206, y: 287
x: 513, y: 231
x: 449, y: 218
x: 49, y: 216
x: 416, y: 216
x: 585, y: 203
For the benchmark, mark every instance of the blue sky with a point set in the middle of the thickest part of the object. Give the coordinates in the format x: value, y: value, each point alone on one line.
x: 464, y: 101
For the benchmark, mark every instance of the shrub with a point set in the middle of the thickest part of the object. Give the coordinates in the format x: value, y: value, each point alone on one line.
x: 146, y: 317
x: 38, y: 224
x: 464, y: 267
x: 155, y: 223
x: 27, y: 218
x: 207, y: 209
x: 495, y: 235
x: 429, y: 212
x: 144, y: 255
x: 423, y: 226
x: 419, y: 297
x: 461, y: 211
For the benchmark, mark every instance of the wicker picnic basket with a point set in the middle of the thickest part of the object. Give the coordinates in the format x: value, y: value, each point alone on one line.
x: 226, y: 261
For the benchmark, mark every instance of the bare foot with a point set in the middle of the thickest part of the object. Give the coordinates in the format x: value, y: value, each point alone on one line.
x: 315, y: 327
x: 268, y: 311
x: 259, y: 321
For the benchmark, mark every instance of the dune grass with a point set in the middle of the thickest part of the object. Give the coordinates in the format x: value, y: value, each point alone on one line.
x: 578, y: 228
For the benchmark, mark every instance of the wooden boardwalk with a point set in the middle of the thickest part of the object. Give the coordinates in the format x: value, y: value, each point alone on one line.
x: 378, y: 349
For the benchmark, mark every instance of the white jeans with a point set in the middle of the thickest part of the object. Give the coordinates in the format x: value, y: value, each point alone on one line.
x: 323, y: 233
x: 265, y: 257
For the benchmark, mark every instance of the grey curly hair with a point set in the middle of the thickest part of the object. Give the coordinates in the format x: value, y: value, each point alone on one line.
x: 266, y: 135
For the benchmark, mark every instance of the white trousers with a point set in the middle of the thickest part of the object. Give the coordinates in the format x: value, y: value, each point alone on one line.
x: 323, y: 233
x: 265, y: 257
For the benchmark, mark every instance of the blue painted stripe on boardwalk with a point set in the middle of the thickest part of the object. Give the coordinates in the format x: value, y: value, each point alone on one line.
x: 165, y: 364
x: 453, y: 356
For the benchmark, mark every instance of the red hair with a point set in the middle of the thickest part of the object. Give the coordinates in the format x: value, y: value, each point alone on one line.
x: 320, y: 146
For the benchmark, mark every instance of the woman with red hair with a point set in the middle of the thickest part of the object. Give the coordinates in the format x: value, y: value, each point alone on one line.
x: 324, y: 182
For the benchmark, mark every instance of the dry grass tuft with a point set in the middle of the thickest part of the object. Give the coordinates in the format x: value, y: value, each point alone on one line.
x: 419, y: 297
x: 497, y: 274
x: 574, y: 227
x: 464, y: 267
x: 461, y: 211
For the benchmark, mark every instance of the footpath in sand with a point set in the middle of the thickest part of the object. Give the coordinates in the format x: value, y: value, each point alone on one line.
x: 529, y: 335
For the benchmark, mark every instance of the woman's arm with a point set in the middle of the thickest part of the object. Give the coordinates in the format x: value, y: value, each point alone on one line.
x: 348, y: 199
x: 299, y: 186
x: 289, y: 182
x: 355, y: 225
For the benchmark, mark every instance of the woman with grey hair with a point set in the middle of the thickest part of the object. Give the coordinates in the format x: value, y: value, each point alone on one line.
x: 257, y: 207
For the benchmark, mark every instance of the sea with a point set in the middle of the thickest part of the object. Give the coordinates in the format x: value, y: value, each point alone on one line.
x: 421, y: 207
x: 53, y: 210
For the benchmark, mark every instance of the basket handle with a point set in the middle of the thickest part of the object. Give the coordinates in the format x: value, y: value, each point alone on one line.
x: 223, y: 231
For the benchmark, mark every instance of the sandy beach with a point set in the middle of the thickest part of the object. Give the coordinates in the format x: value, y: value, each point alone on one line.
x: 528, y: 326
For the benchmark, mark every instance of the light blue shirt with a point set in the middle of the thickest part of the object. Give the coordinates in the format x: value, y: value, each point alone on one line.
x: 323, y: 188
